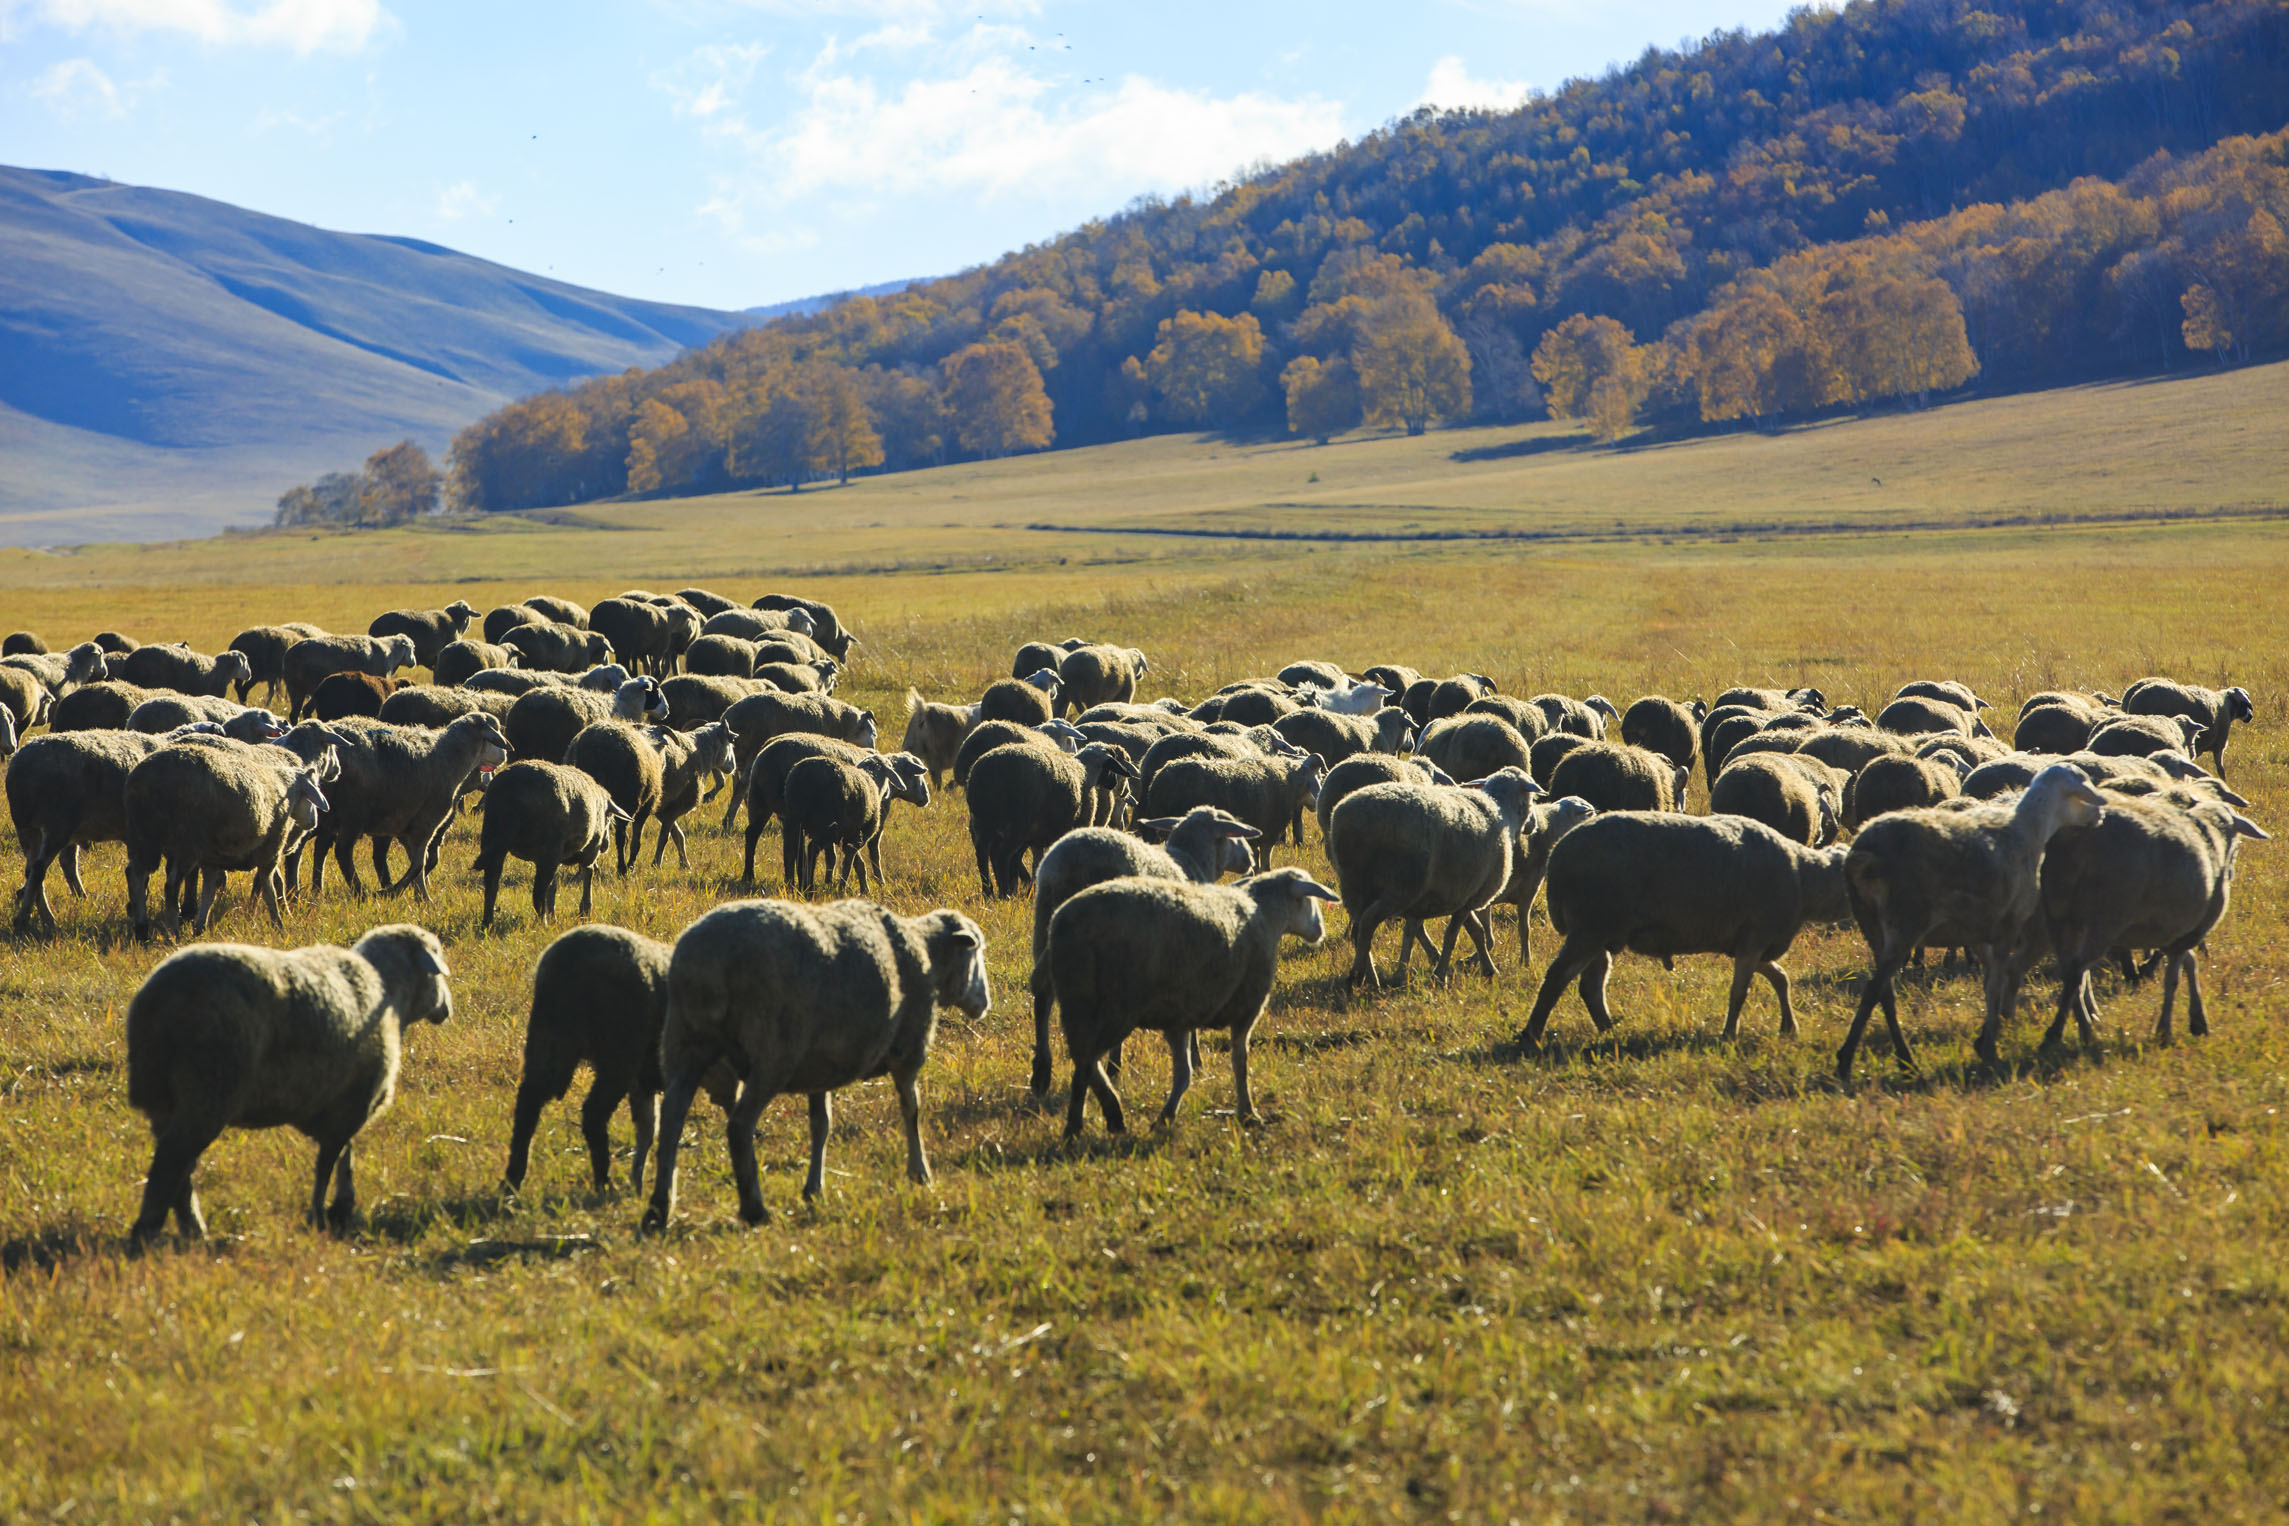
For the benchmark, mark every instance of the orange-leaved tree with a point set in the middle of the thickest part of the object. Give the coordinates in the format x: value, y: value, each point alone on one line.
x: 994, y: 393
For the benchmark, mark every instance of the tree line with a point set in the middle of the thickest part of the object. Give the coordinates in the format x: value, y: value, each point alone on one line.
x: 1875, y: 202
x: 398, y: 484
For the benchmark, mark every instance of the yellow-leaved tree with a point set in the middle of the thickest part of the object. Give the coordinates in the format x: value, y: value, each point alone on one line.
x: 1206, y: 368
x: 1323, y: 396
x: 998, y: 405
x: 1410, y: 366
x: 1592, y: 369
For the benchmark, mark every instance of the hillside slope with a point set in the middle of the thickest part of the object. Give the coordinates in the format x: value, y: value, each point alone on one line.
x: 149, y: 336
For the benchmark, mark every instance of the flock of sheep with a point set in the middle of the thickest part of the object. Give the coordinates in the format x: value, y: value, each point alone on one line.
x: 2094, y: 835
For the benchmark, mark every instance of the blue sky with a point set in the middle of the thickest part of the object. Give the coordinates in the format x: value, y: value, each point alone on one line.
x: 736, y: 152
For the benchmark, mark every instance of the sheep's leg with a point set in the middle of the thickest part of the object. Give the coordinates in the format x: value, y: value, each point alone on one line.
x: 1564, y: 965
x: 346, y: 859
x: 2169, y: 1000
x: 138, y: 902
x: 544, y: 889
x: 1365, y: 923
x: 596, y: 1110
x: 68, y: 861
x: 2197, y: 1020
x: 330, y: 1153
x: 636, y: 839
x: 2002, y: 967
x: 682, y: 1086
x: 210, y: 888
x: 2074, y: 988
x: 1778, y: 978
x: 1593, y: 989
x: 1877, y: 991
x: 1243, y: 1100
x: 1744, y: 966
x: 587, y: 888
x: 1445, y: 966
x: 874, y: 856
x: 908, y: 1083
x: 2086, y: 1010
x: 175, y: 1152
x: 644, y: 1112
x: 1112, y: 1063
x: 1044, y: 998
x: 755, y: 1094
x: 738, y: 795
x: 1481, y: 932
x: 535, y: 1092
x: 853, y: 854
x: 492, y: 868
x: 790, y: 856
x: 747, y: 870
x: 342, y: 1213
x: 266, y: 881
x: 822, y: 1123
x: 381, y: 862
x: 1179, y: 1075
x: 189, y: 1221
x: 1089, y: 1079
x: 620, y: 847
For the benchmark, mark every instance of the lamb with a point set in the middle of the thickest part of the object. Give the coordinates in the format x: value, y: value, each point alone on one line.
x: 1662, y: 884
x: 1914, y: 716
x: 400, y: 784
x: 1777, y: 790
x: 2147, y: 874
x: 1061, y: 736
x: 809, y: 998
x: 1024, y: 797
x: 2139, y: 736
x: 1354, y: 774
x: 207, y: 811
x: 436, y: 706
x: 231, y: 1036
x: 65, y: 791
x: 826, y: 630
x: 553, y: 816
x: 1414, y: 851
x: 1662, y: 725
x: 600, y: 995
x: 2215, y: 711
x: 553, y: 647
x: 1619, y: 777
x: 1900, y: 784
x: 543, y: 723
x: 1200, y: 846
x: 342, y: 695
x: 457, y: 661
x: 760, y: 717
x: 828, y: 804
x: 163, y: 713
x: 1269, y: 794
x: 1581, y: 717
x: 1176, y: 957
x: 428, y: 629
x: 24, y: 699
x: 1096, y: 675
x: 264, y: 647
x: 648, y: 637
x: 1474, y: 746
x: 311, y: 661
x: 185, y: 671
x: 561, y: 611
x: 504, y: 618
x: 767, y: 784
x: 1028, y: 701
x: 83, y: 664
x: 1546, y: 825
x: 1962, y: 878
x: 1337, y: 737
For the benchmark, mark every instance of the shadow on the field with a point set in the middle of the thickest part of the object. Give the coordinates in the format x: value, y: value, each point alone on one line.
x: 482, y: 1253
x: 47, y: 1250
x: 405, y: 1219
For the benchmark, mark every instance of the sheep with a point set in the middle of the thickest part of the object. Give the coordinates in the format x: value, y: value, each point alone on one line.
x: 828, y: 804
x: 2058, y: 728
x: 206, y: 811
x: 1318, y: 675
x: 984, y: 737
x: 400, y: 784
x: 551, y: 815
x: 1396, y: 680
x: 1451, y: 696
x: 799, y: 677
x: 649, y: 770
x: 2009, y: 774
x: 807, y: 999
x: 1235, y: 742
x: 58, y: 673
x: 1962, y: 878
x: 22, y: 641
x: 1915, y: 716
x: 2215, y: 711
x: 828, y: 631
x: 312, y: 660
x: 766, y: 793
x: 103, y: 705
x: 183, y: 670
x: 1545, y: 755
x: 1900, y: 784
x: 687, y: 757
x: 758, y: 718
x: 2147, y: 874
x: 1414, y: 851
x: 1354, y: 774
x: 561, y: 611
x: 1946, y: 691
x: 648, y: 637
x: 1270, y: 794
x: 542, y: 724
x: 1546, y: 825
x: 1337, y: 737
x: 1027, y: 701
x: 518, y: 680
x: 1970, y: 752
x: 340, y: 695
x: 456, y: 661
x: 1581, y: 717
x: 65, y: 791
x: 1200, y: 846
x: 1346, y: 698
x: 1163, y: 715
x: 434, y: 705
x: 1725, y: 728
x: 264, y: 647
x: 113, y: 643
x: 1853, y: 748
x: 1024, y: 797
x: 163, y: 713
x: 231, y: 1036
x: 504, y: 618
x: 707, y: 603
x: 1176, y: 957
x: 1474, y: 746
x: 1096, y: 675
x: 2073, y: 699
x: 1254, y: 707
x: 24, y: 699
x: 1772, y: 699
x: 694, y: 699
x: 1662, y: 884
x: 600, y: 995
x: 2131, y: 735
x: 1662, y: 725
x: 1135, y: 740
x: 720, y: 657
x: 428, y: 629
x: 1777, y: 790
x: 1618, y: 777
x: 553, y: 647
x: 759, y: 625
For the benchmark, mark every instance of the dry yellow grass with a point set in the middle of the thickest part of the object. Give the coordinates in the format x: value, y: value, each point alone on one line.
x: 1659, y: 1277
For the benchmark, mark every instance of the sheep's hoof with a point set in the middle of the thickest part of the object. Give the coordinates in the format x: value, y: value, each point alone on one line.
x: 754, y: 1215
x: 1041, y: 1076
x: 654, y: 1221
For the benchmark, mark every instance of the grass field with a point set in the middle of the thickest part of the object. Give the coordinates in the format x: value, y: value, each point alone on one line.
x: 1655, y: 1278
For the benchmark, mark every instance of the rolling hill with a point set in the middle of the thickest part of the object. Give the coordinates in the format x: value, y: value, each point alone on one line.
x: 168, y: 363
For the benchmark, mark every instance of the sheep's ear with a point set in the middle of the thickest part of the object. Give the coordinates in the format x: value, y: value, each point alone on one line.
x: 1240, y: 830
x: 964, y: 937
x: 1161, y: 824
x: 2244, y: 827
x: 433, y: 963
x: 1316, y: 891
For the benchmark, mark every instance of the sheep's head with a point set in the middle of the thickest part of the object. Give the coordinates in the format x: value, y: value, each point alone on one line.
x: 958, y: 962
x: 1512, y: 790
x: 7, y: 732
x: 397, y: 652
x: 1102, y: 764
x: 1304, y: 776
x: 2068, y: 792
x: 411, y: 961
x: 801, y: 622
x: 1809, y: 698
x: 304, y: 799
x: 912, y: 779
x: 599, y: 649
x: 1293, y: 895
x: 1044, y: 679
x: 83, y: 664
x: 605, y: 678
x: 1065, y: 734
x: 461, y: 612
x: 1136, y: 654
x: 1394, y: 732
x: 492, y: 739
x: 868, y: 734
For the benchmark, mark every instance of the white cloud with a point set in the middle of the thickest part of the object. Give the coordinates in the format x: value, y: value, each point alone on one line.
x: 306, y: 26
x: 1451, y: 88
x: 464, y: 199
x: 707, y: 85
x: 76, y: 87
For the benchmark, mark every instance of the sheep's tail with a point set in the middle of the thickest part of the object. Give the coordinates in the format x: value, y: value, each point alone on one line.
x: 914, y: 700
